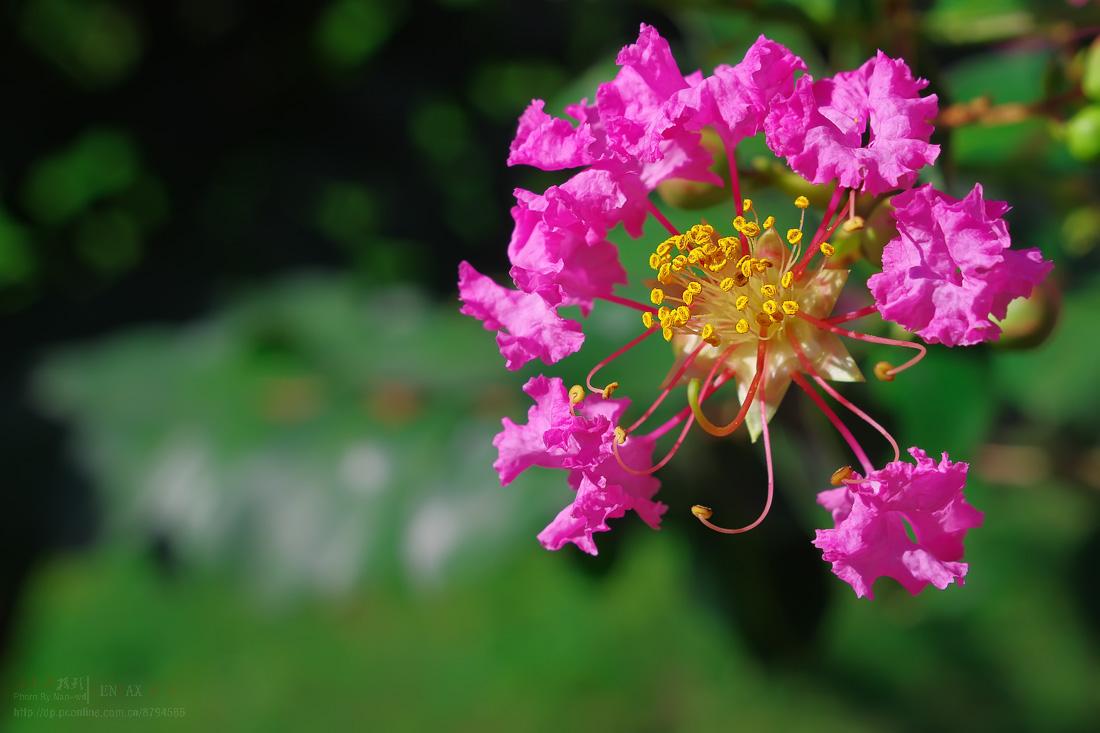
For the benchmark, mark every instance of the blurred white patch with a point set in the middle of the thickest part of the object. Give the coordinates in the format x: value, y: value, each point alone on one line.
x: 366, y: 468
x: 180, y: 498
x: 432, y: 535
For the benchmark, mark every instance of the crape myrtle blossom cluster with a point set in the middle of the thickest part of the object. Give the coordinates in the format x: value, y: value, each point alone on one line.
x: 753, y: 305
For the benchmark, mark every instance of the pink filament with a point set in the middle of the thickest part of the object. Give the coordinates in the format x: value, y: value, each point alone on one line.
x: 683, y: 415
x: 820, y: 235
x: 662, y: 218
x: 622, y: 350
x: 668, y: 388
x: 809, y: 369
x: 836, y: 421
x: 626, y: 302
x: 735, y: 186
x: 853, y: 315
x: 771, y: 474
x: 919, y: 348
x: 732, y: 426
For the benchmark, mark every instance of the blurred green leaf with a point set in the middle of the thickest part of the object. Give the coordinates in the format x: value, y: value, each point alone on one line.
x: 95, y: 42
x: 99, y: 163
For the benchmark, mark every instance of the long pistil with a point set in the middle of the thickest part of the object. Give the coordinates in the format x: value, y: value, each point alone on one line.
x: 703, y: 514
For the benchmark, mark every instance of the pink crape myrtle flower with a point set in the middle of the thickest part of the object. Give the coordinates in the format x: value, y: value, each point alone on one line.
x: 577, y: 435
x: 871, y: 514
x: 867, y: 129
x: 951, y: 267
x: 750, y: 304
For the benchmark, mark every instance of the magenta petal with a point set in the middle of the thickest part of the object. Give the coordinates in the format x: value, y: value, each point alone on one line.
x: 555, y: 437
x: 952, y: 268
x: 527, y: 327
x: 870, y: 539
x: 735, y: 99
x: 867, y: 129
x: 550, y: 143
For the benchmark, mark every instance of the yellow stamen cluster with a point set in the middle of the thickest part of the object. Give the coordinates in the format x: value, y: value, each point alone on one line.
x: 724, y: 289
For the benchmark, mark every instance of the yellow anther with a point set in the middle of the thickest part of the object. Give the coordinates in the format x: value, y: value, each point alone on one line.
x: 802, y: 202
x: 790, y: 307
x: 656, y: 296
x: 702, y: 512
x: 576, y: 394
x: 794, y: 236
x: 746, y: 205
x: 742, y: 326
x: 739, y: 223
x: 768, y: 290
x: 718, y: 265
x: 664, y: 275
x: 751, y: 229
x: 726, y: 284
x: 665, y: 247
x: 882, y: 371
x: 689, y: 296
x: 620, y: 435
x: 679, y: 262
x: 788, y: 279
x: 683, y: 241
x: 647, y: 319
x: 655, y: 261
x: 694, y: 287
x: 770, y: 306
x: 741, y: 302
x: 839, y: 475
x: 666, y: 332
x: 769, y: 222
x: 761, y: 265
x: 746, y: 267
x: 695, y: 255
x: 609, y: 389
x: 682, y: 313
x: 853, y: 225
x: 662, y: 313
x: 827, y: 249
x: 707, y: 332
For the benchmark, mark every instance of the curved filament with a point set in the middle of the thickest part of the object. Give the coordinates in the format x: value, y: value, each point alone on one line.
x: 622, y: 350
x: 668, y: 388
x: 892, y: 371
x: 662, y: 219
x: 723, y: 430
x: 841, y: 428
x: 771, y: 474
x: 684, y: 416
x: 831, y: 391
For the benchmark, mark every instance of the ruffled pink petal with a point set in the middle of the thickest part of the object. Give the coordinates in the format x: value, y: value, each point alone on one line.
x: 555, y: 437
x: 871, y: 537
x: 606, y: 491
x: 735, y: 99
x: 550, y: 143
x: 951, y: 268
x: 867, y: 129
x: 527, y: 327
